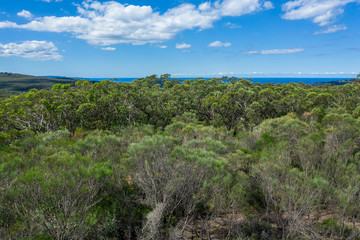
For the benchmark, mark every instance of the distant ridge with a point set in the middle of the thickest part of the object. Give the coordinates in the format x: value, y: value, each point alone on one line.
x: 22, y: 83
x: 14, y: 83
x: 333, y: 83
x: 59, y: 77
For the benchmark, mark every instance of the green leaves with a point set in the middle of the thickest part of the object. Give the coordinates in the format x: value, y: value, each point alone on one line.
x: 147, y: 159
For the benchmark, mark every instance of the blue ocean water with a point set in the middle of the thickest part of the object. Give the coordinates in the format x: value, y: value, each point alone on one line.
x: 256, y: 80
x: 296, y: 80
x: 113, y: 79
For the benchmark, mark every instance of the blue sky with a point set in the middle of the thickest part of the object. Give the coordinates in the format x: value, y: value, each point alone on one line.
x: 186, y: 38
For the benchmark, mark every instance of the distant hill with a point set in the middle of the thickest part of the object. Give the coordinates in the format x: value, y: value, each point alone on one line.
x: 13, y: 83
x: 333, y: 83
x: 23, y: 83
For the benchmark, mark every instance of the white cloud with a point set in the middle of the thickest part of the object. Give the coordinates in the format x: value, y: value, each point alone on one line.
x: 268, y: 5
x: 51, y: 1
x: 36, y: 50
x: 332, y: 29
x: 25, y: 14
x: 276, y: 51
x: 322, y: 12
x: 183, y: 45
x: 238, y: 8
x: 161, y: 46
x: 219, y: 44
x: 106, y: 23
x: 8, y: 24
x: 205, y: 6
x: 232, y: 25
x: 108, y: 49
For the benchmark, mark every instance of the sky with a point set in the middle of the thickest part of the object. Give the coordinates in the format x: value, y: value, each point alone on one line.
x: 185, y: 38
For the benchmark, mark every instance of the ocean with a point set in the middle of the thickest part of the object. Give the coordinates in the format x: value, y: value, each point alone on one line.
x: 256, y: 80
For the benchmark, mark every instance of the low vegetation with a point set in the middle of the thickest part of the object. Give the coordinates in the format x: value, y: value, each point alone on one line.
x: 166, y: 159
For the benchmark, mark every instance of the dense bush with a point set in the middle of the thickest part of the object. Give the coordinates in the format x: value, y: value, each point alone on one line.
x: 169, y: 159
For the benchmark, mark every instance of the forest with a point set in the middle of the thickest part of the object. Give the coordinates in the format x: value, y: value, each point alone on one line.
x: 162, y: 158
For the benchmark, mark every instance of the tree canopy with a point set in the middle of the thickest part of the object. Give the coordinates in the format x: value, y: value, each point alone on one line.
x: 163, y: 158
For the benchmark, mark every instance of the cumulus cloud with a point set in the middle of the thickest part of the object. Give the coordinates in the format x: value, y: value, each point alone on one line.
x: 238, y: 8
x: 219, y: 44
x: 268, y: 5
x: 36, y: 50
x: 25, y: 14
x: 108, y: 49
x: 332, y: 29
x: 183, y: 45
x: 321, y: 12
x: 7, y: 24
x: 276, y: 51
x: 106, y: 23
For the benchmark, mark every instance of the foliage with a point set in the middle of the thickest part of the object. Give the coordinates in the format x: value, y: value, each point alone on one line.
x: 162, y: 158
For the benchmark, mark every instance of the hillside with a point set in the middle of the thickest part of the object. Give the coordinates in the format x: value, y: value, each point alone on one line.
x: 333, y: 83
x: 13, y: 83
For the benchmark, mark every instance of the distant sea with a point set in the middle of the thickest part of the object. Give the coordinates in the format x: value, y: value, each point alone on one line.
x: 257, y: 80
x: 296, y: 80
